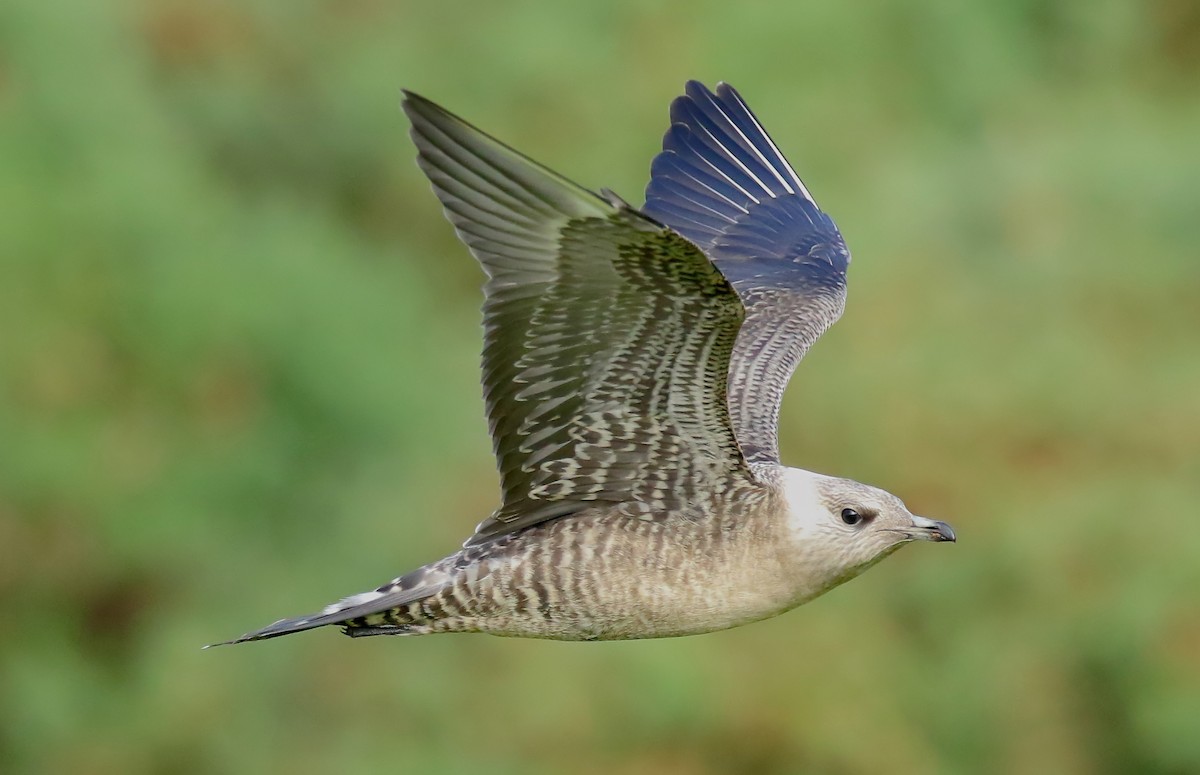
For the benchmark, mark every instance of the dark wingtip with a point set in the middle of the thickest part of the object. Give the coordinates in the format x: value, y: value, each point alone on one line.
x: 718, y: 164
x: 415, y: 104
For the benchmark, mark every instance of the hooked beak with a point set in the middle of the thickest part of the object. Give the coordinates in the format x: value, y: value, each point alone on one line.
x: 931, y: 530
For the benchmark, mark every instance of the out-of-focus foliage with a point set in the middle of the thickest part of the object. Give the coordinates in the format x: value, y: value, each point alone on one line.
x: 238, y: 380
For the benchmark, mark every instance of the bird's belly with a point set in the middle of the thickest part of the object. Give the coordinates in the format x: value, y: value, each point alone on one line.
x: 656, y: 609
x: 628, y: 583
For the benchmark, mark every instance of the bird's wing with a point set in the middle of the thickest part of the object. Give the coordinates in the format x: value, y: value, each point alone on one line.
x: 721, y: 182
x: 607, y: 336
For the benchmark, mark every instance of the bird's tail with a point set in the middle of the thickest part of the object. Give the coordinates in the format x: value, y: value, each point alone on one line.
x: 356, y: 608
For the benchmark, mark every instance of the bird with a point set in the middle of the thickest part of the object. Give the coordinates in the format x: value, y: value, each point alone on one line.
x: 633, y: 365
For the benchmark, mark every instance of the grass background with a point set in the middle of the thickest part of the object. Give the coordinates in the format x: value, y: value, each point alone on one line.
x: 238, y: 379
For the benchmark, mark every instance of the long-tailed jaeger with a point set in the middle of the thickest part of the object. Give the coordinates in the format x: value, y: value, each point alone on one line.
x: 633, y: 366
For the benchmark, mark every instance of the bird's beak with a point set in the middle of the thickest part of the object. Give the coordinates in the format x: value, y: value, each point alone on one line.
x: 931, y: 530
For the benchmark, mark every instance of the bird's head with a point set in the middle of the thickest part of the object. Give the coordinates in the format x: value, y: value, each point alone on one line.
x: 839, y: 528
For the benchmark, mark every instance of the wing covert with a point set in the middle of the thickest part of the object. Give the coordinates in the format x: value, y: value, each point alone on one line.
x: 607, y: 337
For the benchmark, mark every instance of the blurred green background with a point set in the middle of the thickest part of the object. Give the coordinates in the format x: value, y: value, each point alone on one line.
x: 238, y: 380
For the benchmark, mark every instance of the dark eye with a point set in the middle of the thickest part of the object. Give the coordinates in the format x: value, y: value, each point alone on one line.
x: 851, y: 517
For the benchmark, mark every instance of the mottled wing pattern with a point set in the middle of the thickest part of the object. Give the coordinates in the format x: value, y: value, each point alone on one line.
x: 721, y: 182
x: 607, y: 336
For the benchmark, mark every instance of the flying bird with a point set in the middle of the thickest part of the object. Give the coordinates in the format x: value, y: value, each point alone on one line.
x: 633, y: 366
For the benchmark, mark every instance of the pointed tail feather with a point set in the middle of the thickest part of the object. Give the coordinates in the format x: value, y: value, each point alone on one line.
x: 385, y: 598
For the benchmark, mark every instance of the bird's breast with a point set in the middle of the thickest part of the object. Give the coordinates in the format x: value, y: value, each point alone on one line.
x: 606, y: 575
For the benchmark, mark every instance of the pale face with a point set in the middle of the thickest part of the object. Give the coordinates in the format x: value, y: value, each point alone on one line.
x: 840, y: 527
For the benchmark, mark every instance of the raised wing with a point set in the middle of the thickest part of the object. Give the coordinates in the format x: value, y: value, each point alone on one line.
x: 607, y: 336
x: 721, y: 182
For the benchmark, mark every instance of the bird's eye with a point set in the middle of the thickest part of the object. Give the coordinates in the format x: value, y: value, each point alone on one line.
x: 851, y: 517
